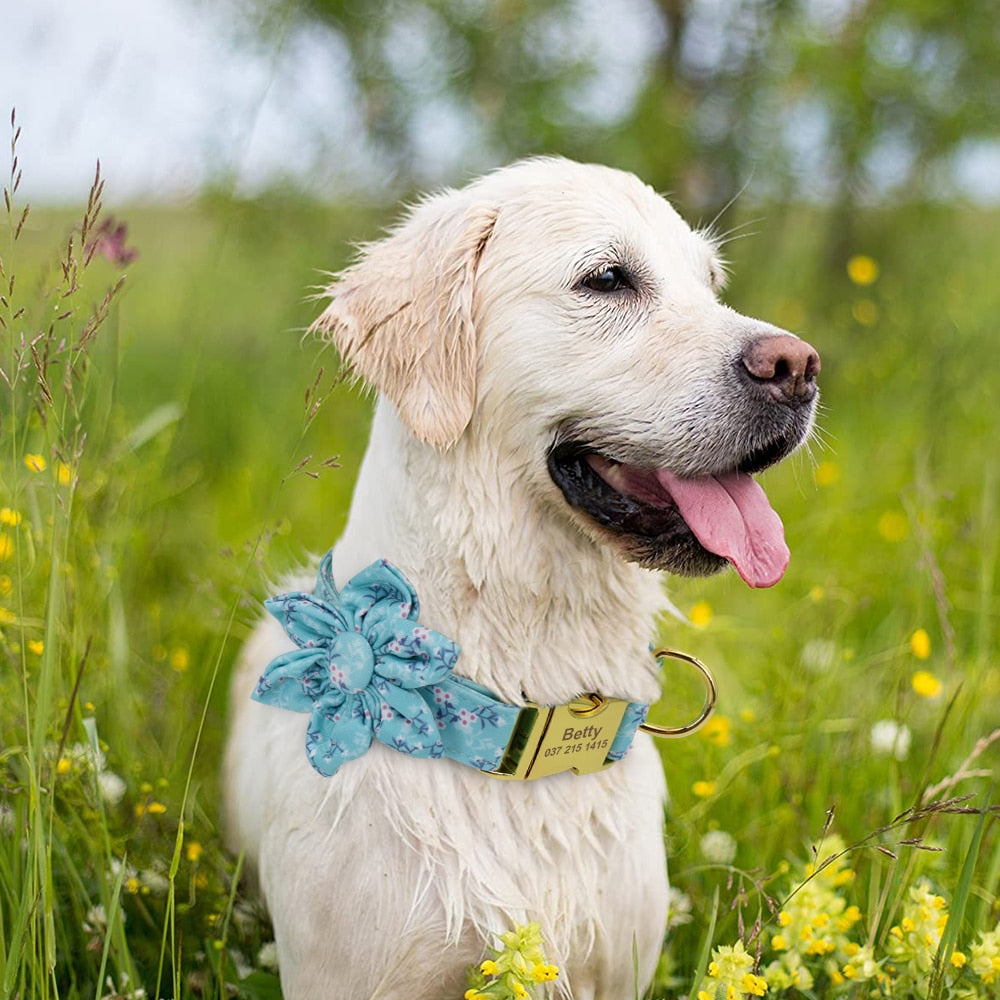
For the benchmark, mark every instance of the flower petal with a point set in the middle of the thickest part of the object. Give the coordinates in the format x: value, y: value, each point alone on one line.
x: 378, y: 592
x: 307, y: 620
x: 294, y: 680
x: 337, y: 734
x: 412, y: 655
x: 326, y: 588
x: 405, y: 722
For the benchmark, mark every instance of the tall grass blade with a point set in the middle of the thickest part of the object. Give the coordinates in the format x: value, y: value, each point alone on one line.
x: 949, y: 939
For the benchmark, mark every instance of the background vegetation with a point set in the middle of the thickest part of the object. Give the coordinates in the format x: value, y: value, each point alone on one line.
x: 164, y: 447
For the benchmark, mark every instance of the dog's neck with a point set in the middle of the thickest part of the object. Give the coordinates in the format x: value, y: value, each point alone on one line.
x: 539, y: 610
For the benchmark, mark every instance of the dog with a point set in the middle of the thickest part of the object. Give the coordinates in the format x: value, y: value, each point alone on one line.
x: 565, y: 410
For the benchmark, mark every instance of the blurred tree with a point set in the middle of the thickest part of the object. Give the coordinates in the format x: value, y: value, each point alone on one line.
x: 838, y: 100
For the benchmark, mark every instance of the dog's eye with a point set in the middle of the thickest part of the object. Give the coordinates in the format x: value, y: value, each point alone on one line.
x: 611, y: 278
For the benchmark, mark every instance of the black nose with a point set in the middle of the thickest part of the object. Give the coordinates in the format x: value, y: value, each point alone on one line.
x: 785, y: 365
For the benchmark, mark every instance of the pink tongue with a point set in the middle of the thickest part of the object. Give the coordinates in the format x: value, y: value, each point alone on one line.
x: 730, y: 516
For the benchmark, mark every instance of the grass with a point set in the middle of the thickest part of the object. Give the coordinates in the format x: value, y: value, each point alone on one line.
x: 186, y: 440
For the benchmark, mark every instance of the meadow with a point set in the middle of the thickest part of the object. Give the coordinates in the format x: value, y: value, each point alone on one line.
x: 172, y: 442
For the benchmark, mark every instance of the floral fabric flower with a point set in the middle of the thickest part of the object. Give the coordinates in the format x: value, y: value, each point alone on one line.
x: 360, y: 659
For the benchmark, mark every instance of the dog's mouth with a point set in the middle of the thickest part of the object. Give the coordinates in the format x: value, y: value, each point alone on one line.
x: 693, y: 526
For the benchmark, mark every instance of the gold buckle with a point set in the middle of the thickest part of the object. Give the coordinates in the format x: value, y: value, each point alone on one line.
x: 550, y: 739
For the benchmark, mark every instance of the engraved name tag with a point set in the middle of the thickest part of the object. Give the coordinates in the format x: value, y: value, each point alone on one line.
x: 574, y: 737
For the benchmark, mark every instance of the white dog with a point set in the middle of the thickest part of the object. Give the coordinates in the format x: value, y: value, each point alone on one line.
x: 565, y: 409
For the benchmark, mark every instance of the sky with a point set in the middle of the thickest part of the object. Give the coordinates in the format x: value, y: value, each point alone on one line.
x: 162, y: 94
x: 170, y: 95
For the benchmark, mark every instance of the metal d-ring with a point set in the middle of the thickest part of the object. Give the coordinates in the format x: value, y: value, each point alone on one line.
x: 597, y: 702
x: 711, y: 693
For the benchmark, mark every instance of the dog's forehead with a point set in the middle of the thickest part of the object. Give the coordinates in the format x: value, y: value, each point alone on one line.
x: 578, y: 210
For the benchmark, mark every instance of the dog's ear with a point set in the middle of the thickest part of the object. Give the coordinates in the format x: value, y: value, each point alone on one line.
x: 401, y: 317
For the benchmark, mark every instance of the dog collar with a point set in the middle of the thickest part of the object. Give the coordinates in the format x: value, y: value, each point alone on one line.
x: 364, y: 669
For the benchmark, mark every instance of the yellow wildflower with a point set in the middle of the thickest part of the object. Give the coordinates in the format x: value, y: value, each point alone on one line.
x: 958, y: 959
x: 926, y: 684
x: 132, y: 885
x: 544, y: 972
x: 156, y: 808
x: 893, y: 526
x: 10, y: 517
x: 848, y: 918
x: 826, y: 474
x: 64, y: 765
x: 865, y: 312
x: 36, y: 463
x: 704, y: 789
x: 779, y: 942
x: 36, y: 646
x: 6, y: 546
x: 862, y: 270
x: 754, y: 985
x: 64, y: 474
x: 701, y: 614
x: 6, y: 586
x: 194, y: 850
x: 519, y: 991
x: 180, y: 659
x: 820, y: 946
x: 920, y: 644
x: 732, y: 968
x: 717, y: 730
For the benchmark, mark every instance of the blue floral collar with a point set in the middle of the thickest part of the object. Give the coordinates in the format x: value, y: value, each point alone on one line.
x: 364, y: 669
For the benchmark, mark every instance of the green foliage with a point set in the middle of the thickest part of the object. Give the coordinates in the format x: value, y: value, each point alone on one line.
x: 793, y: 97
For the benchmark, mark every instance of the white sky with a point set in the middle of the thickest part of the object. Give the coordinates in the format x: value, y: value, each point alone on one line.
x: 159, y: 92
x: 164, y: 96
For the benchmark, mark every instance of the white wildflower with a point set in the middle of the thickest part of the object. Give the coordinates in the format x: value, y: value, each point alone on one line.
x: 267, y: 957
x: 112, y: 787
x: 818, y: 655
x: 891, y: 739
x: 155, y: 881
x: 679, y: 908
x: 718, y: 847
x: 96, y: 921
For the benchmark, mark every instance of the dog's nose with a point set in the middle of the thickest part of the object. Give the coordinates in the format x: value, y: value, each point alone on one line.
x: 785, y: 365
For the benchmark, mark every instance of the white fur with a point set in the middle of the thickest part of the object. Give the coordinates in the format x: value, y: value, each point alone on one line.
x: 390, y: 878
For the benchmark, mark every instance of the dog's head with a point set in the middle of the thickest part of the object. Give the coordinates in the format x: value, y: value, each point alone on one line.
x: 568, y: 312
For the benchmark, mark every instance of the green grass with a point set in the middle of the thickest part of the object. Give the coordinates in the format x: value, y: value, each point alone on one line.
x: 126, y: 590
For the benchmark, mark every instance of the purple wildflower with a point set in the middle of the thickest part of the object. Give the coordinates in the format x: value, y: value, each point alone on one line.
x: 109, y: 241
